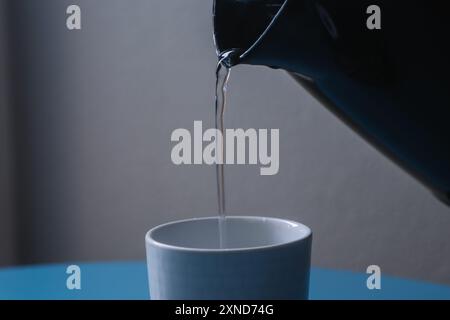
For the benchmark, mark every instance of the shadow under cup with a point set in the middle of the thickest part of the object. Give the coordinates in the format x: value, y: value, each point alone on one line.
x: 261, y: 258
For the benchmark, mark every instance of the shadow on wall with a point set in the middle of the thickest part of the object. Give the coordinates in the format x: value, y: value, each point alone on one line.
x: 7, y: 243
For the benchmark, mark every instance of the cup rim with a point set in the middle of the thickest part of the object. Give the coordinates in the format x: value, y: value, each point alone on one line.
x: 151, y: 241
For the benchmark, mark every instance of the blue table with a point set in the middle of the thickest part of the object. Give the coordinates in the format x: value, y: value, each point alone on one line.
x: 129, y: 281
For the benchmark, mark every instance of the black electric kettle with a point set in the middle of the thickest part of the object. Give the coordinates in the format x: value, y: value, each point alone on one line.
x: 390, y: 84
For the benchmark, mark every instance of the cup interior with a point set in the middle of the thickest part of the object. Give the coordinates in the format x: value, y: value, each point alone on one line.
x: 238, y: 233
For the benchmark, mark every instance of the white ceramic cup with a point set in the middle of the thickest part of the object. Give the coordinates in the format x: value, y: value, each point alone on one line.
x: 263, y: 258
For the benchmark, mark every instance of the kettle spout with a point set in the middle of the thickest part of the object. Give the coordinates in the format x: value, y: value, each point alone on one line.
x: 281, y: 34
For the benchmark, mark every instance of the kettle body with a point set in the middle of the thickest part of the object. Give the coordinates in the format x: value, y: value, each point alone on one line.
x: 390, y: 84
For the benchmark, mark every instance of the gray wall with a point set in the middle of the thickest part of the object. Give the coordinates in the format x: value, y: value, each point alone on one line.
x: 7, y: 241
x: 95, y: 111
